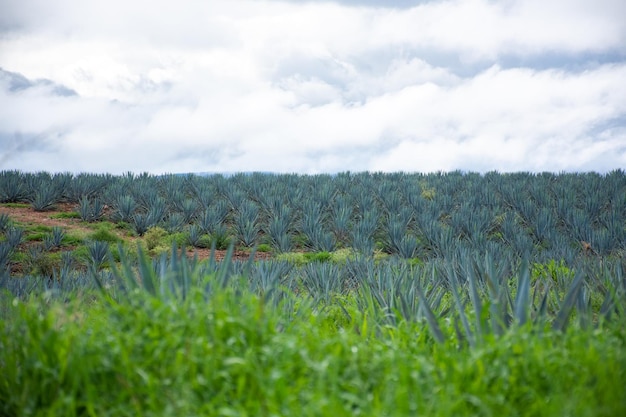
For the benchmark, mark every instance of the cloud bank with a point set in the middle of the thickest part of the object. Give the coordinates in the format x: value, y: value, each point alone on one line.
x: 312, y: 86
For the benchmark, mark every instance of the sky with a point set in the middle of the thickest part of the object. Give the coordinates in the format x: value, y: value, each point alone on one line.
x: 163, y: 86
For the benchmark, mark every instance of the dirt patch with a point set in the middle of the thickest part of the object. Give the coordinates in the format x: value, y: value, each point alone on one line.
x: 27, y: 215
x: 46, y: 218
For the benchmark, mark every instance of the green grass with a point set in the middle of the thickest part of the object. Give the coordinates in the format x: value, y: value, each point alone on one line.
x: 105, y: 235
x: 72, y: 240
x: 43, y: 264
x: 227, y: 352
x: 16, y: 205
x: 35, y: 237
x: 264, y: 247
x: 65, y: 215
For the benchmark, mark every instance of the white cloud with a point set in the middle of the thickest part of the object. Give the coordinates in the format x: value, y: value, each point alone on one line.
x: 277, y: 86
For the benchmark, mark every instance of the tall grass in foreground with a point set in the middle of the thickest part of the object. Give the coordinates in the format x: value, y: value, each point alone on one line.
x: 207, y: 345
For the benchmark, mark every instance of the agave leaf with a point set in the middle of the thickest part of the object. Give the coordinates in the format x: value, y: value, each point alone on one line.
x: 582, y: 306
x: 127, y: 276
x: 430, y: 316
x: 543, y: 305
x: 461, y: 307
x: 459, y: 333
x: 499, y: 296
x: 436, y: 296
x: 560, y: 323
x: 146, y: 272
x: 475, y: 298
x: 223, y: 275
x: 505, y: 300
x: 608, y: 305
x: 405, y: 311
x: 164, y: 279
x: 94, y: 273
x: 249, y: 263
x: 523, y: 294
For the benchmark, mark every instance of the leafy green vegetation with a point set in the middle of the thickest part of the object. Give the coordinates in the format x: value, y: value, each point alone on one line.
x: 65, y: 215
x: 35, y: 237
x: 103, y: 234
x: 264, y: 247
x: 71, y: 240
x: 552, y: 271
x: 235, y: 354
x: 16, y: 205
x: 154, y: 237
x: 385, y: 294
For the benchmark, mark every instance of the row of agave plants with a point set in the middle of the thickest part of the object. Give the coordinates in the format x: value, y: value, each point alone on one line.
x: 552, y: 216
x: 481, y: 294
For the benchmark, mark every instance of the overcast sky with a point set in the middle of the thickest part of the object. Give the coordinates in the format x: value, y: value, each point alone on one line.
x: 312, y: 86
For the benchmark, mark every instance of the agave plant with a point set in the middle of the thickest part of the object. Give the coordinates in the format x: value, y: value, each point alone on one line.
x: 278, y: 230
x: 5, y: 222
x: 54, y: 239
x: 247, y: 227
x: 174, y: 222
x: 12, y: 187
x: 322, y: 280
x: 5, y: 254
x: 188, y: 210
x: 142, y: 222
x: 14, y: 236
x: 98, y: 253
x: 90, y: 210
x: 125, y: 207
x: 44, y: 197
x: 86, y: 186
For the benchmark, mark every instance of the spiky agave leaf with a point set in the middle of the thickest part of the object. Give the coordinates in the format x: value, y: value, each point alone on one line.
x: 522, y: 299
x: 562, y: 318
x: 430, y: 316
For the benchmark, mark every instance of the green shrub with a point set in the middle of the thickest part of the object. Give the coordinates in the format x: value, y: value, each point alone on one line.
x: 221, y: 241
x: 103, y: 234
x: 81, y: 254
x: 72, y: 240
x: 296, y: 258
x: 264, y: 247
x: 554, y: 271
x: 179, y: 237
x: 35, y: 237
x: 41, y: 263
x: 155, y: 236
x: 317, y: 256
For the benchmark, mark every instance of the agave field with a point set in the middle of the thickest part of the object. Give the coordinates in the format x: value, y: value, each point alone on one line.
x: 372, y: 294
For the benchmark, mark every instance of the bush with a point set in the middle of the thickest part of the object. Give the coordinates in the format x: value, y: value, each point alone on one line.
x: 102, y: 234
x: 318, y: 256
x: 154, y: 237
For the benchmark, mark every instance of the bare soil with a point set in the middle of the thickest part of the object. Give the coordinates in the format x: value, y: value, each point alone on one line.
x: 27, y: 215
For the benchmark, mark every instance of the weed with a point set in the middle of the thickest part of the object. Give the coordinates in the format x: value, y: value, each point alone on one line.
x: 264, y: 247
x: 65, y: 215
x: 155, y: 236
x: 317, y: 256
x: 15, y: 205
x: 103, y: 234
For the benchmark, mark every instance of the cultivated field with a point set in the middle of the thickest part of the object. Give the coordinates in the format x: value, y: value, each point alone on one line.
x: 354, y: 294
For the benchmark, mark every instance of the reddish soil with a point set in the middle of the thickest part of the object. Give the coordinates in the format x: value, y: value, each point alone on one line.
x: 27, y: 215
